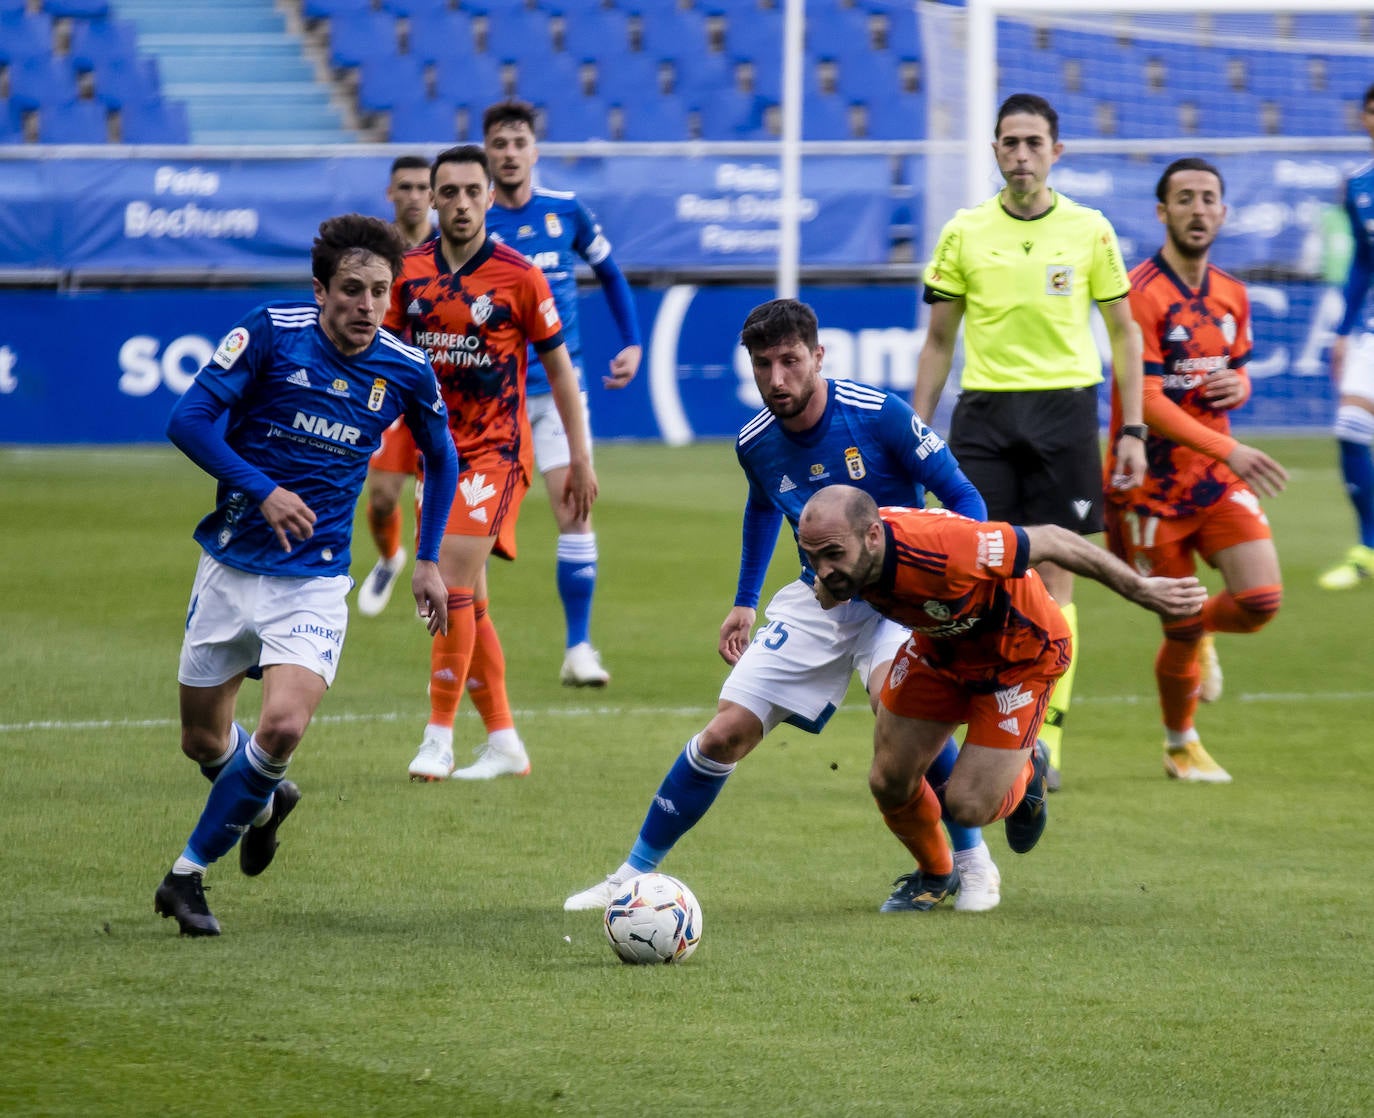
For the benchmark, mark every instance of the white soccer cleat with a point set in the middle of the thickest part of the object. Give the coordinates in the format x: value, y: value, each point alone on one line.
x: 376, y: 588
x: 597, y: 897
x: 504, y: 759
x: 582, y: 667
x: 434, y: 761
x: 980, y: 885
x: 1211, y: 669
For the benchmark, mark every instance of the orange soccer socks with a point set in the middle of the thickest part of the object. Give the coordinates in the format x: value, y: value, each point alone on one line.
x: 450, y: 658
x: 917, y: 825
x: 386, y: 531
x: 487, y: 675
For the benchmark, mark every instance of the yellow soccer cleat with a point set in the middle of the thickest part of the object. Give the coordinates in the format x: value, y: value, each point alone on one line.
x: 1211, y: 669
x: 1193, y: 764
x: 1357, y: 567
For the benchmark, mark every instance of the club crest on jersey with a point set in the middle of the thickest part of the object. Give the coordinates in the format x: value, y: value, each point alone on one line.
x: 482, y: 307
x: 937, y: 610
x: 377, y: 395
x: 899, y: 669
x: 854, y: 463
x: 552, y: 225
x: 1228, y: 327
x: 231, y: 349
x: 1058, y: 279
x: 338, y: 387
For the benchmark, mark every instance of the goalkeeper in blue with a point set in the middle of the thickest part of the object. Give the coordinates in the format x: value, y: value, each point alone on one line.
x: 815, y: 432
x: 284, y: 416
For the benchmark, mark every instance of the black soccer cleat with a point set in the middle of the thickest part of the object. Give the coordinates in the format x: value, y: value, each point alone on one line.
x: 182, y: 895
x: 259, y: 845
x: 1026, y: 823
x: 920, y: 892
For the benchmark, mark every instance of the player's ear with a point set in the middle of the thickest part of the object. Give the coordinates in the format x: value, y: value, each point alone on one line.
x: 320, y: 291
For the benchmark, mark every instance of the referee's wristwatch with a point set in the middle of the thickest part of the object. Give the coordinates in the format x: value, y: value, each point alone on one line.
x: 1135, y: 430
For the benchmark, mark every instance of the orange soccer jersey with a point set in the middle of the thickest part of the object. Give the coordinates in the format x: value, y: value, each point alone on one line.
x: 963, y: 589
x: 475, y: 325
x: 1187, y: 335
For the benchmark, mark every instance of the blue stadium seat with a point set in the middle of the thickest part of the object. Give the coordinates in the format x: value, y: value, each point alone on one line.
x: 473, y: 80
x: 77, y: 9
x: 826, y: 117
x: 699, y: 74
x: 574, y: 119
x: 24, y: 35
x: 623, y: 80
x: 1281, y: 75
x: 516, y: 34
x: 160, y: 122
x: 387, y: 84
x: 598, y: 34
x: 670, y: 30
x: 439, y: 35
x: 11, y: 124
x: 547, y: 79
x: 96, y: 41
x: 77, y: 122
x: 357, y: 36
x: 649, y: 118
x: 425, y: 122
x: 727, y: 114
x: 899, y: 117
x: 1147, y: 117
x: 39, y: 82
x: 1313, y: 115
x: 1236, y: 115
x: 328, y: 9
x: 758, y: 38
x: 124, y: 81
x: 1341, y: 27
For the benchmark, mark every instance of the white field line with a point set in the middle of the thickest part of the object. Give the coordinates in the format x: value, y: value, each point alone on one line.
x: 630, y: 711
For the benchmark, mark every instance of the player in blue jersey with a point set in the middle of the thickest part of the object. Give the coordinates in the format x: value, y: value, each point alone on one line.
x: 1352, y: 367
x: 284, y: 416
x: 554, y: 231
x: 812, y: 433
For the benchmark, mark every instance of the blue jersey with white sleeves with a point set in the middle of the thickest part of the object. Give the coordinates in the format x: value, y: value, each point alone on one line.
x: 867, y: 438
x: 553, y: 230
x: 308, y: 418
x: 1359, y: 210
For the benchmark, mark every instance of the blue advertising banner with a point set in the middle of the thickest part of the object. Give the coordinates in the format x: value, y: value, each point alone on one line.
x: 106, y: 367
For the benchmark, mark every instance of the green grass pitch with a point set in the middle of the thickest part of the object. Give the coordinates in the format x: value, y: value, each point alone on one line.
x: 1166, y: 950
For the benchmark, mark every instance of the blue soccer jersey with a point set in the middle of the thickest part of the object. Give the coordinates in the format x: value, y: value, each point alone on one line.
x: 1359, y: 209
x: 552, y: 231
x: 308, y: 418
x: 867, y: 438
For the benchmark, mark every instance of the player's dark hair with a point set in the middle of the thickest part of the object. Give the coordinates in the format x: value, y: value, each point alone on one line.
x: 409, y: 163
x: 339, y: 236
x: 463, y: 153
x: 1368, y: 96
x: 510, y: 111
x: 1033, y: 105
x: 779, y: 321
x: 1189, y: 163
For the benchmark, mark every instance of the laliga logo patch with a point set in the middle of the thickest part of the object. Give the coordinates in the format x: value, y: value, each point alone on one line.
x: 854, y: 463
x: 550, y: 313
x: 231, y: 349
x: 377, y: 395
x: 552, y: 225
x: 1059, y: 279
x: 339, y: 387
x: 1228, y: 328
x: 482, y: 307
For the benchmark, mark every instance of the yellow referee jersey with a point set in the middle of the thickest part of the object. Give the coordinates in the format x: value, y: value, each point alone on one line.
x: 1027, y: 286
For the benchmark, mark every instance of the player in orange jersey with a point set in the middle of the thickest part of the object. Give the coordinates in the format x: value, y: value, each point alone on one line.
x: 474, y: 306
x: 1199, y: 492
x: 987, y: 645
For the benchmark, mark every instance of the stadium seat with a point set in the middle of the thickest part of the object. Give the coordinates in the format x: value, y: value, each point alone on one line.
x: 548, y: 79
x: 439, y: 35
x: 39, y: 82
x: 758, y: 38
x: 77, y: 9
x: 655, y: 118
x: 355, y: 37
x: 670, y: 30
x: 1339, y: 27
x: 518, y: 34
x: 1145, y: 117
x: 11, y: 124
x: 1279, y: 74
x: 601, y: 33
x: 629, y: 78
x: 1313, y: 115
x: 120, y: 81
x: 159, y: 122
x: 728, y: 114
x: 1237, y: 115
x: 473, y: 80
x: 425, y: 122
x: 901, y: 116
x: 575, y: 119
x: 700, y: 74
x: 23, y: 36
x: 76, y: 122
x: 328, y: 9
x: 389, y: 84
x: 95, y: 42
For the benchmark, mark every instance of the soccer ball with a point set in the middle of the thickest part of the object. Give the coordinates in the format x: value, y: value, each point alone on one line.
x: 653, y: 918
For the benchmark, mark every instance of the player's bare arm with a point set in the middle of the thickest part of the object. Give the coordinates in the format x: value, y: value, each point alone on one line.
x: 624, y: 366
x: 1129, y: 369
x: 937, y: 356
x: 288, y: 516
x: 431, y: 596
x: 1260, y: 472
x: 580, y: 489
x: 1169, y: 597
x: 734, y: 633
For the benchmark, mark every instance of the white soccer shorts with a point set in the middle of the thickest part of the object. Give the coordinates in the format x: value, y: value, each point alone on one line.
x: 237, y: 620
x: 799, y: 664
x: 1357, y: 378
x: 550, y: 439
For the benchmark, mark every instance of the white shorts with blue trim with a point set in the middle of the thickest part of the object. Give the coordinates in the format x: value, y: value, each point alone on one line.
x: 798, y: 666
x: 551, y: 450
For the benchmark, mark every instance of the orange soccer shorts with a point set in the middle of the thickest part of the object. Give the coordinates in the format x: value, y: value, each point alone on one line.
x: 487, y: 501
x: 1157, y: 546
x: 1005, y: 714
x: 398, y: 453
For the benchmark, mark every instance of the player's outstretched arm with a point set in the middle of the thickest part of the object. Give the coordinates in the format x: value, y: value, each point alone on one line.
x: 734, y: 633
x: 431, y: 596
x: 1169, y: 597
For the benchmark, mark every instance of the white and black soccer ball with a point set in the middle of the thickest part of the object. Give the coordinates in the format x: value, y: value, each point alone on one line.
x: 653, y: 918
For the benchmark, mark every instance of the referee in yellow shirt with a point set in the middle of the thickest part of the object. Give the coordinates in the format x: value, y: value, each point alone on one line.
x: 1022, y: 271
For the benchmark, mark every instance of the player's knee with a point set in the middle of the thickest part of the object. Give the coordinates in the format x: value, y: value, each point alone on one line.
x: 202, y: 744
x: 279, y: 732
x: 968, y: 807
x: 1258, y: 607
x: 730, y: 736
x: 1186, y: 631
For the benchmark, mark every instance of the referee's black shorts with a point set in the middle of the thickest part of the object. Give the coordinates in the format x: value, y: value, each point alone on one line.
x: 1034, y: 456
